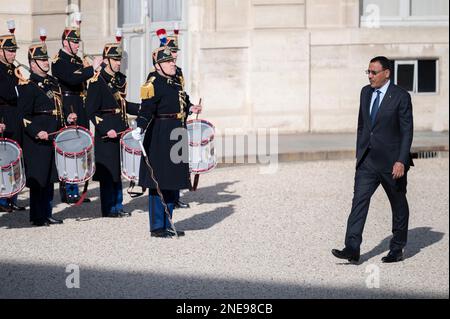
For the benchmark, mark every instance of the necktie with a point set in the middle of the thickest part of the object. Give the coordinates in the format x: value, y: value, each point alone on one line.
x: 375, y: 108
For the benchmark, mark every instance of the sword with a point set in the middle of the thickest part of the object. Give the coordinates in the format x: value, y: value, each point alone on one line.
x: 133, y: 125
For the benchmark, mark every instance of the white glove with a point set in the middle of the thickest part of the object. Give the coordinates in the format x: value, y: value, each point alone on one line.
x: 137, y: 135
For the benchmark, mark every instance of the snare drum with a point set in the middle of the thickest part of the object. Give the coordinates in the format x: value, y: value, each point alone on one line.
x: 202, y: 157
x: 74, y: 155
x: 12, y: 179
x: 130, y: 157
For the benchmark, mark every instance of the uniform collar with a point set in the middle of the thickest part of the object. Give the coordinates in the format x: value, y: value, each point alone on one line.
x: 67, y: 56
x: 37, y: 78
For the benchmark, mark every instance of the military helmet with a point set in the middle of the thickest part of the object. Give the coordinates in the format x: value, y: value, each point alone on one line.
x: 113, y: 51
x: 162, y: 54
x: 38, y: 51
x: 8, y: 42
x: 172, y: 43
x: 71, y: 34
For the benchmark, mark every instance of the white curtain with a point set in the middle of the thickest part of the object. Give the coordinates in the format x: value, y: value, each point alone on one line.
x: 429, y: 8
x: 166, y: 10
x: 388, y: 8
x: 129, y: 12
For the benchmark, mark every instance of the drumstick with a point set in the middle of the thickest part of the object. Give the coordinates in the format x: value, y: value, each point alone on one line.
x: 54, y: 133
x: 120, y: 133
x: 199, y: 103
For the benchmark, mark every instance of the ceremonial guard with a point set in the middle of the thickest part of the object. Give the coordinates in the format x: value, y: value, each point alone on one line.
x: 9, y: 121
x: 163, y: 114
x: 171, y: 42
x: 40, y: 107
x: 72, y: 74
x: 107, y: 108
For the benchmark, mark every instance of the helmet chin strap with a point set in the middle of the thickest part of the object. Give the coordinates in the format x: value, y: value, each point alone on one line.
x: 6, y: 59
x: 35, y: 61
x: 162, y: 70
x: 110, y: 66
x: 70, y: 47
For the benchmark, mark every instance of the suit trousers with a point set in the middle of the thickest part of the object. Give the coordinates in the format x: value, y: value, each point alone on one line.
x: 367, y: 180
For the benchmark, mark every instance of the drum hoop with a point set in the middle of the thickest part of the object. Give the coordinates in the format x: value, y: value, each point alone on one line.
x: 205, y: 170
x: 129, y: 178
x: 74, y: 154
x: 127, y: 148
x: 207, y: 140
x: 18, y: 158
x: 22, y: 186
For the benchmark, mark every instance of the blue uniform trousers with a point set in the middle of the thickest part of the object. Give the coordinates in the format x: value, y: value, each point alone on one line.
x: 158, y: 217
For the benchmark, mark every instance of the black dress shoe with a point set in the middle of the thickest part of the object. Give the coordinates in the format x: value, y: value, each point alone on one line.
x: 180, y: 204
x: 17, y: 207
x: 113, y: 215
x: 40, y: 223
x: 393, y: 257
x: 54, y: 221
x: 344, y: 254
x: 86, y: 200
x: 180, y: 233
x: 160, y: 233
x: 4, y: 209
x: 123, y: 213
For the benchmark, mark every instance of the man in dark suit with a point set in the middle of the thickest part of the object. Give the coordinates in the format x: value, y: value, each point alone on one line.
x: 385, y: 134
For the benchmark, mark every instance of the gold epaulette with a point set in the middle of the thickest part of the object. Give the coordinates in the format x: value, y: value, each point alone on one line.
x: 148, y: 90
x: 55, y: 58
x: 95, y: 77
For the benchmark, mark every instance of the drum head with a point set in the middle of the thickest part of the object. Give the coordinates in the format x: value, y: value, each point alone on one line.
x: 9, y: 153
x: 200, y: 132
x: 73, y: 141
x: 130, y: 142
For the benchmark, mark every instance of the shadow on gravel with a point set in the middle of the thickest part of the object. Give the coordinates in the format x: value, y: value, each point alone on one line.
x: 84, y: 212
x: 29, y: 280
x: 205, y: 220
x: 215, y: 194
x: 418, y: 239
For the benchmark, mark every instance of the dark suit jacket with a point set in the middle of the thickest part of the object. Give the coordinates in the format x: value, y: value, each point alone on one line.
x: 390, y: 138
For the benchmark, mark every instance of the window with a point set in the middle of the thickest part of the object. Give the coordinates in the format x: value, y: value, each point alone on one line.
x: 376, y: 13
x: 165, y: 10
x: 416, y: 76
x: 129, y: 12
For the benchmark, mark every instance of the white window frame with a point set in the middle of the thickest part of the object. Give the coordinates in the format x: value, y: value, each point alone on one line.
x: 405, y: 18
x: 416, y: 74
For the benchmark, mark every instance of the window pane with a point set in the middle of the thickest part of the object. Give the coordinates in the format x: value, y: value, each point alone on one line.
x: 388, y: 8
x: 166, y: 10
x: 405, y: 76
x: 427, y: 75
x: 129, y: 12
x: 429, y: 7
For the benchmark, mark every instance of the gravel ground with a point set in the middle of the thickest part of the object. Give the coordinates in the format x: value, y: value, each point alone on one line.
x: 248, y: 235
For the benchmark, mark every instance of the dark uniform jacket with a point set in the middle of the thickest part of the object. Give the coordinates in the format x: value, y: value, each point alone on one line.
x: 107, y: 109
x: 8, y: 102
x: 162, y: 96
x: 72, y: 77
x: 40, y: 108
x: 389, y: 139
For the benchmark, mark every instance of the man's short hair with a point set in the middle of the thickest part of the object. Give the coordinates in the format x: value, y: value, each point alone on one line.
x: 385, y: 62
